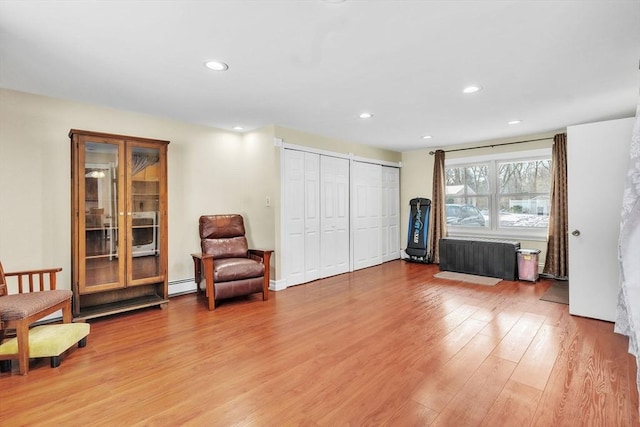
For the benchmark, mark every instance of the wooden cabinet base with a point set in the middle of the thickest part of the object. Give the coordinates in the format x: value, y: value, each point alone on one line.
x: 92, y: 312
x: 98, y: 304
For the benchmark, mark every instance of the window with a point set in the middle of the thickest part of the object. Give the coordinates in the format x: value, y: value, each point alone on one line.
x: 499, y: 195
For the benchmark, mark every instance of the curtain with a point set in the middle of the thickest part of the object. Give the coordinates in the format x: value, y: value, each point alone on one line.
x: 556, y: 262
x: 628, y: 310
x: 438, y: 222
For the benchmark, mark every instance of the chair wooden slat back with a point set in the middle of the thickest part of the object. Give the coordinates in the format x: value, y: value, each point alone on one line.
x: 30, y: 281
x: 3, y: 282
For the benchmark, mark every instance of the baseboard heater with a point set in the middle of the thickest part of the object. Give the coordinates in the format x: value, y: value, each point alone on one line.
x: 484, y: 257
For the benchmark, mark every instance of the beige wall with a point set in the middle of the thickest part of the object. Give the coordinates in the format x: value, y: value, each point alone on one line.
x: 417, y: 173
x: 209, y: 171
x: 292, y: 136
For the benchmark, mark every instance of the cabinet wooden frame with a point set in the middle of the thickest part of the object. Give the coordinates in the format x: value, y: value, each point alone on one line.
x: 121, y: 278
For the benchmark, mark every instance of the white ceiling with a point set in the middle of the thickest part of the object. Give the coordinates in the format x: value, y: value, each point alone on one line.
x: 315, y: 66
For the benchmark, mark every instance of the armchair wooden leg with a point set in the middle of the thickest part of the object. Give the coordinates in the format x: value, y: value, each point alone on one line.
x: 267, y: 272
x: 265, y: 288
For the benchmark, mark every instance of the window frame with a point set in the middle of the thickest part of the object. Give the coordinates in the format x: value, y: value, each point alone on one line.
x: 494, y: 229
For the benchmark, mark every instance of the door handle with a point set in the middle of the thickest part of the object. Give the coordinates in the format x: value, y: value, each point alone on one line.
x: 575, y: 233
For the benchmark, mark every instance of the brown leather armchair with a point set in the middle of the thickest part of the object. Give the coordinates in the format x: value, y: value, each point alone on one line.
x: 229, y: 267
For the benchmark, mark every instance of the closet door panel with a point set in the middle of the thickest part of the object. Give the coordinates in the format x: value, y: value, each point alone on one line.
x: 367, y: 184
x: 294, y: 216
x: 312, y: 217
x: 334, y: 243
x: 390, y: 215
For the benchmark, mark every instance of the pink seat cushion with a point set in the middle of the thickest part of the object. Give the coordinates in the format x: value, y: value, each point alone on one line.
x: 19, y: 306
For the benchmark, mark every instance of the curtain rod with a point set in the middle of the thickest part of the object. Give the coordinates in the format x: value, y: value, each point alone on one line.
x: 492, y: 145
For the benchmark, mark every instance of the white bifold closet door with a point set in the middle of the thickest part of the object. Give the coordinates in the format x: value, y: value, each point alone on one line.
x: 390, y: 214
x: 376, y: 214
x: 367, y: 214
x: 338, y: 215
x: 301, y: 251
x: 316, y: 216
x: 334, y: 219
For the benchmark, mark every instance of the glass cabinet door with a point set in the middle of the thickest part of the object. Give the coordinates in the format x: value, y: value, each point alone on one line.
x: 99, y: 211
x: 144, y: 213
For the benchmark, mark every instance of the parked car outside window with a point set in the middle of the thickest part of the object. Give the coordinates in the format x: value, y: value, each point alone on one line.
x: 465, y: 215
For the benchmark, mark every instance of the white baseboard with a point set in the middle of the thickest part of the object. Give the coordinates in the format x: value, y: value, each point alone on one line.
x: 184, y: 286
x: 277, y: 285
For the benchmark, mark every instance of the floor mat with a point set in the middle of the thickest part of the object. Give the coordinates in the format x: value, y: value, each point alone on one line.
x: 557, y: 292
x: 469, y: 278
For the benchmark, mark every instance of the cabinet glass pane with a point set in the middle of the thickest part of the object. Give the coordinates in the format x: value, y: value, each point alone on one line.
x: 145, y: 212
x: 101, y: 213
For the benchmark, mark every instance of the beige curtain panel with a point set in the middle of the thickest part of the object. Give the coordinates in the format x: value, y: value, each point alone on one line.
x: 556, y: 262
x: 438, y: 222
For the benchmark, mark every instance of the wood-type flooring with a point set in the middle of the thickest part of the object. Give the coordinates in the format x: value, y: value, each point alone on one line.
x: 384, y: 346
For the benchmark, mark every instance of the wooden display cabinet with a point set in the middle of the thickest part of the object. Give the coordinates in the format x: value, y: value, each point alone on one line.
x: 119, y: 223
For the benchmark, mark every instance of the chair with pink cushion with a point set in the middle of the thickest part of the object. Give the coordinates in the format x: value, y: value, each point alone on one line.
x: 37, y: 297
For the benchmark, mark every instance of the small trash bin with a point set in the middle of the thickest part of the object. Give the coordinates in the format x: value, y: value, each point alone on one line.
x: 528, y: 264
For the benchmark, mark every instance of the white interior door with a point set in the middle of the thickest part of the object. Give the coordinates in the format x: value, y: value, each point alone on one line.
x: 334, y: 220
x: 390, y: 214
x: 597, y: 158
x: 366, y: 208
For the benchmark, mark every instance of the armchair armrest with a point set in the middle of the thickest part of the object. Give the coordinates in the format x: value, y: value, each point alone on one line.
x: 197, y: 267
x: 204, y: 261
x: 30, y: 274
x: 262, y: 255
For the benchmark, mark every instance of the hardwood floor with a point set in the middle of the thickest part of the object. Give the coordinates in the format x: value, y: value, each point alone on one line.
x: 388, y: 345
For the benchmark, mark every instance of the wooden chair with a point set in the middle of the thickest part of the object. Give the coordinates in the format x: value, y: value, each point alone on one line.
x: 37, y: 297
x: 229, y: 267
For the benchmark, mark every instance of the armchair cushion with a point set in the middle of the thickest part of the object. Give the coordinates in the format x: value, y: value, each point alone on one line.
x: 221, y: 226
x: 228, y: 269
x: 238, y: 287
x: 223, y: 236
x: 235, y: 247
x: 20, y: 306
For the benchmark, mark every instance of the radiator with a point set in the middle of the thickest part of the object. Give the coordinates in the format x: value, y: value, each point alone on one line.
x: 484, y: 257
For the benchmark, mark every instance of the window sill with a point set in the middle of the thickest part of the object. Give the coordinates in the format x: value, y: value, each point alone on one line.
x: 498, y: 234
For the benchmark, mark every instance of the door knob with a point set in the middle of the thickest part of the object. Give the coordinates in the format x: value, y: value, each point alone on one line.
x: 575, y: 233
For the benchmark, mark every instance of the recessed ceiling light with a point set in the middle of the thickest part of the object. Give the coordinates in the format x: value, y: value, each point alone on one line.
x: 471, y: 89
x: 366, y: 115
x: 216, y: 65
x: 426, y: 137
x: 515, y: 122
x: 238, y: 128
